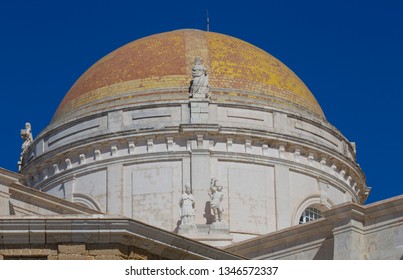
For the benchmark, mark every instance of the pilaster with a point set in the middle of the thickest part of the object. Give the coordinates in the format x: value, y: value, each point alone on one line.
x: 349, y: 241
x: 280, y: 122
x: 199, y: 110
x: 68, y: 188
x: 114, y: 195
x: 282, y: 197
x: 200, y: 181
x: 348, y: 231
x: 115, y: 121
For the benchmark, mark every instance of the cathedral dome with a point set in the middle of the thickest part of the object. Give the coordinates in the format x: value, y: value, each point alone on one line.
x: 157, y: 68
x: 145, y: 122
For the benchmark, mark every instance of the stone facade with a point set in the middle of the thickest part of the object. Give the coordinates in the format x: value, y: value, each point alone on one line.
x: 347, y: 231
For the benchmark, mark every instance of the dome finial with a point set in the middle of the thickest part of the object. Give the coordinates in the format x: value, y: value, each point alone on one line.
x: 208, y: 22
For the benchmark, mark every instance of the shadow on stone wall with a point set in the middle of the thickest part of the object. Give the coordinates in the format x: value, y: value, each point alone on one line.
x: 326, y: 251
x: 178, y: 223
x: 207, y: 213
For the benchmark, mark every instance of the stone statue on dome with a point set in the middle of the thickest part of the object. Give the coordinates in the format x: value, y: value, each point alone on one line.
x: 217, y: 196
x: 187, y: 204
x: 26, y: 136
x: 199, y: 86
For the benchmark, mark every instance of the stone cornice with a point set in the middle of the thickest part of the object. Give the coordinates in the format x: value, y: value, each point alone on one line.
x: 7, y: 177
x: 107, y: 229
x: 105, y: 143
x: 312, y: 233
x: 211, y: 129
x: 385, y: 211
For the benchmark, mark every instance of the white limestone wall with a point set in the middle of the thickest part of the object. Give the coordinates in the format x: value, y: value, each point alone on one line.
x: 259, y: 198
x: 154, y: 190
x: 250, y: 196
x: 385, y: 244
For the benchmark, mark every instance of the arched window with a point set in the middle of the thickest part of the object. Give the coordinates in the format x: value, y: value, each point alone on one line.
x: 309, y: 214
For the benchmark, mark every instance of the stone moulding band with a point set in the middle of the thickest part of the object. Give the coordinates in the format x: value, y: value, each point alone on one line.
x: 270, y: 154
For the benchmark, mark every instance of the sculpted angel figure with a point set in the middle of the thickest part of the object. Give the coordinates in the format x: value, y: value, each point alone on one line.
x: 187, y: 204
x: 199, y: 85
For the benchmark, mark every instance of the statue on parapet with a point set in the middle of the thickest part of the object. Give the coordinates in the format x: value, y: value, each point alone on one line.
x: 26, y: 136
x: 199, y: 87
x: 187, y: 204
x: 216, y: 197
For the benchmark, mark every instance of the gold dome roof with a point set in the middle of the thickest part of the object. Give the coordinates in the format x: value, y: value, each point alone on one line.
x: 158, y: 68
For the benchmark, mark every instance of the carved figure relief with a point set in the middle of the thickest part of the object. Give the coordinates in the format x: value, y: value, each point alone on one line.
x: 199, y: 86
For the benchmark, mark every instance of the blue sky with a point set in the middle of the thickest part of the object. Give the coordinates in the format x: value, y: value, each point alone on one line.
x: 349, y: 54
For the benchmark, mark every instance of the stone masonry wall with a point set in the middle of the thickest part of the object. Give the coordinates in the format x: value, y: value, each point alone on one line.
x: 75, y: 251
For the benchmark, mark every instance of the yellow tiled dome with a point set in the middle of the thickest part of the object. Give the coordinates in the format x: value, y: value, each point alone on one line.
x: 158, y: 68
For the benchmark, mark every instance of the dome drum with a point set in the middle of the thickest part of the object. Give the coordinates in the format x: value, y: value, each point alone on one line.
x: 142, y: 147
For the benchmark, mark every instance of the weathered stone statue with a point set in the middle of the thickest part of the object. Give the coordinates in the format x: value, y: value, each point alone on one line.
x: 199, y: 86
x: 187, y: 204
x: 26, y: 135
x: 216, y: 194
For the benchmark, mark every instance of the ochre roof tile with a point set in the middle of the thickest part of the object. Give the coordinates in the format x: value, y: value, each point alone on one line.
x: 164, y: 61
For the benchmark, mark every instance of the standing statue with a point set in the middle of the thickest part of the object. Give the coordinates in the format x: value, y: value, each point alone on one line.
x: 199, y: 85
x: 187, y: 204
x: 26, y: 135
x: 216, y: 195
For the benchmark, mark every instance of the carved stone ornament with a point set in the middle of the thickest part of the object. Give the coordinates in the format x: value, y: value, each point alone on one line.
x: 187, y: 204
x: 26, y: 136
x: 199, y: 87
x: 217, y: 196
